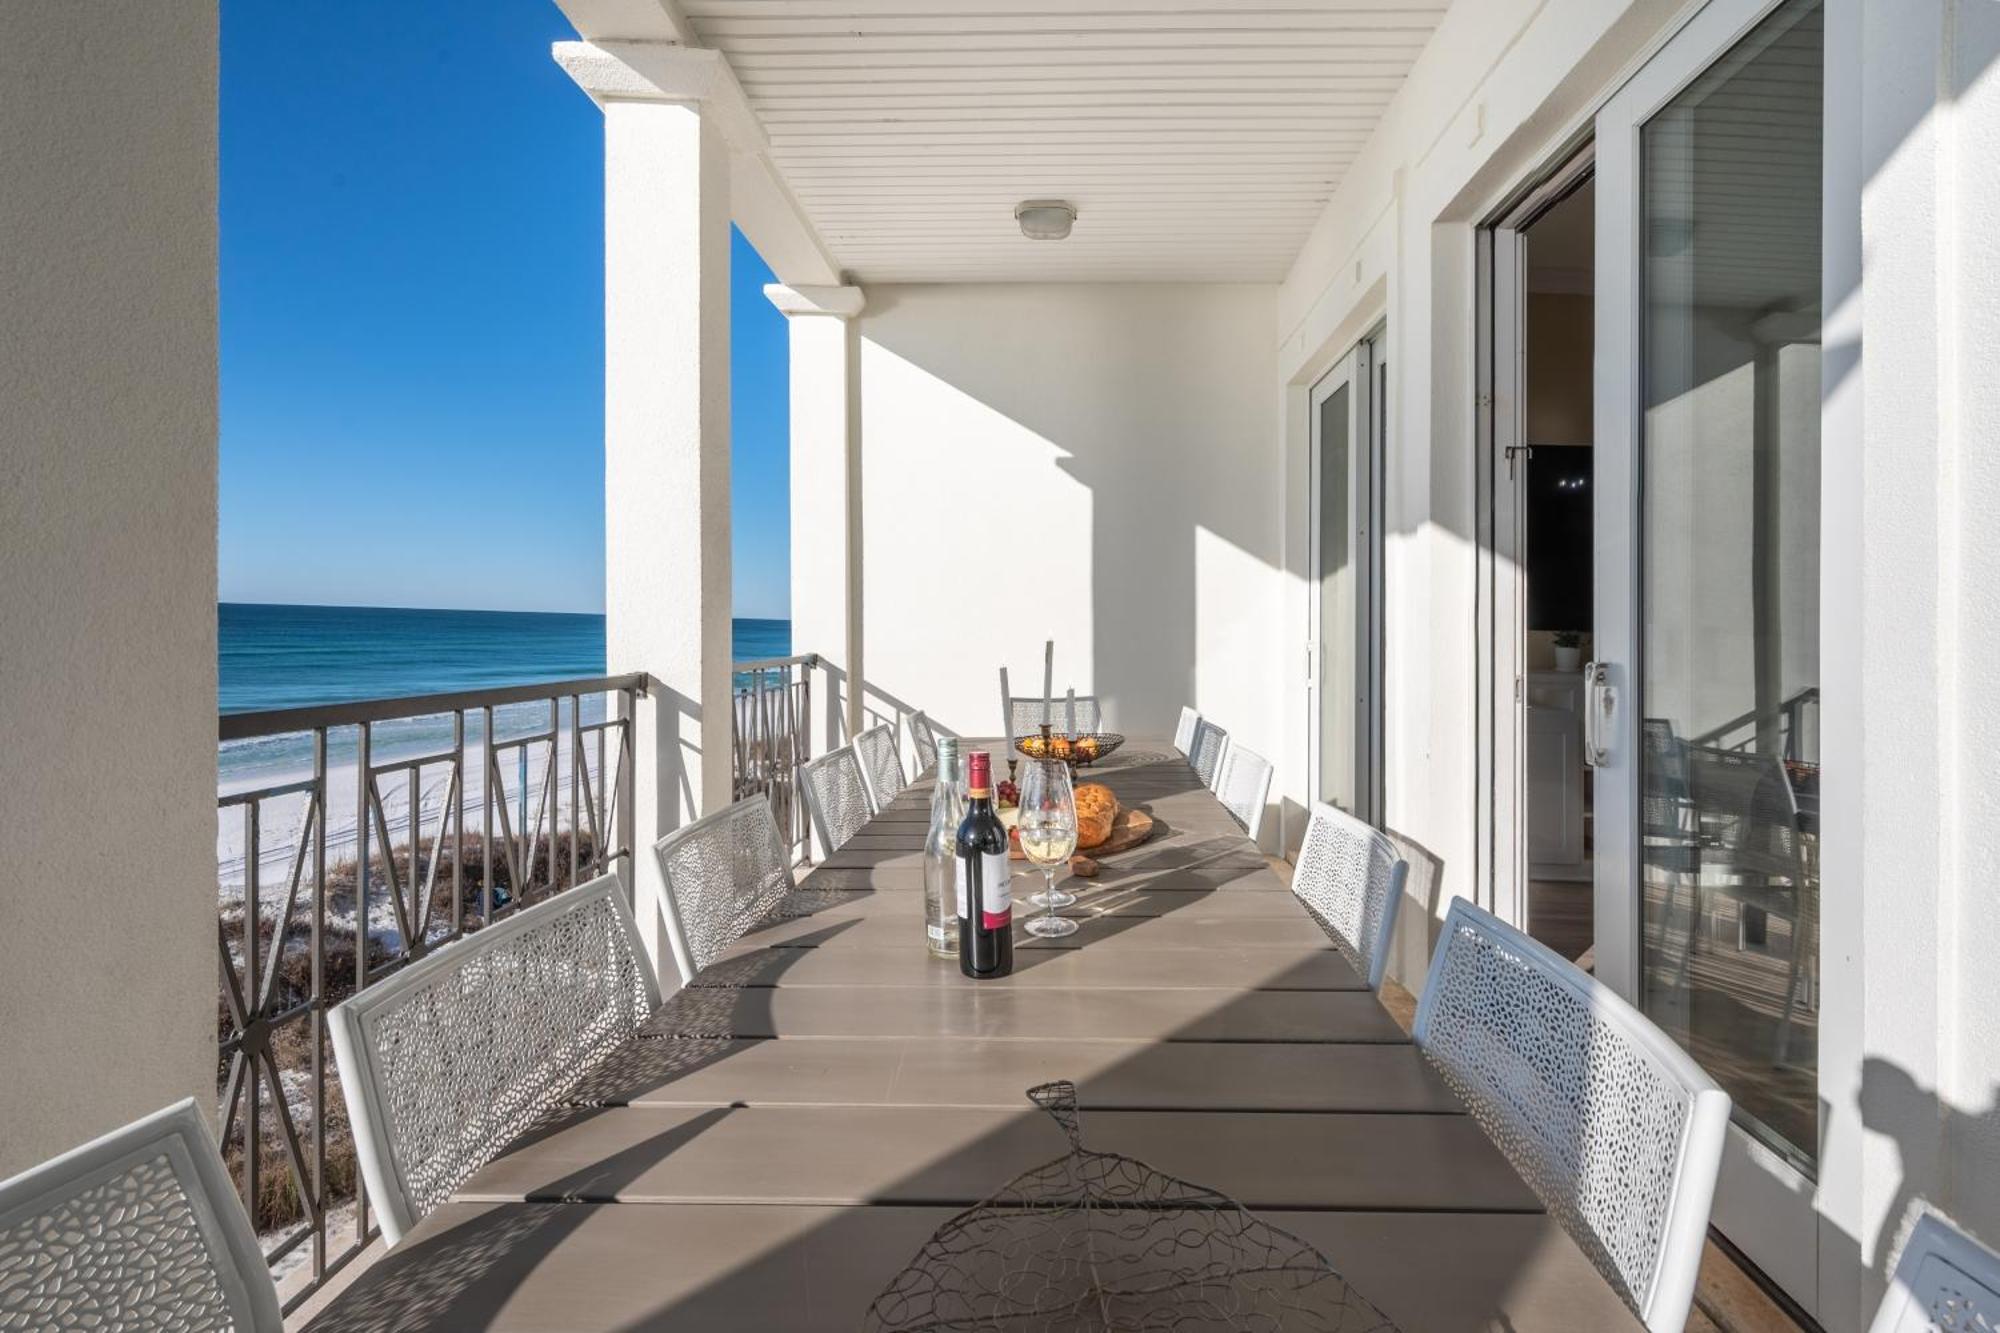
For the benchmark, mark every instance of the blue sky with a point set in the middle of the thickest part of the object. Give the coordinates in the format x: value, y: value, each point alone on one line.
x: 412, y: 317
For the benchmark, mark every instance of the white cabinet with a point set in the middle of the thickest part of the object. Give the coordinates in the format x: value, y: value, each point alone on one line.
x: 1558, y: 847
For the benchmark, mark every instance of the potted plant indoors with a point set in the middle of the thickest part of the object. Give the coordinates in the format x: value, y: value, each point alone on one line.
x: 1569, y: 649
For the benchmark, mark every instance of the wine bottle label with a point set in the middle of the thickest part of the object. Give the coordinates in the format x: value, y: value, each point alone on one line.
x: 996, y: 895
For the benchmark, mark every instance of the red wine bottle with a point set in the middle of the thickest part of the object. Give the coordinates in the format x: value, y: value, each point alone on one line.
x: 985, y: 900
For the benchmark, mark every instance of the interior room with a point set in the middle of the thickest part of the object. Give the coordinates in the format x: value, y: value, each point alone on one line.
x: 1555, y: 496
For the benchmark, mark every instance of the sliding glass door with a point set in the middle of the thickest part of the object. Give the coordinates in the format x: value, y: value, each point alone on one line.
x: 1347, y: 431
x: 1703, y: 716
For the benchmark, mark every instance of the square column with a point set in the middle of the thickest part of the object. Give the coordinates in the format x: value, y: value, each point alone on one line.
x: 666, y: 455
x: 826, y: 492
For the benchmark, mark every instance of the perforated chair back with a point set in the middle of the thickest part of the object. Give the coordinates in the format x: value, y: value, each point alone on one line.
x: 1206, y: 752
x: 445, y: 1062
x: 1184, y: 729
x: 139, y: 1229
x: 1617, y: 1130
x: 924, y: 736
x: 836, y: 796
x: 1025, y: 715
x: 881, y: 766
x: 1665, y: 799
x: 1351, y: 876
x: 1243, y: 786
x: 726, y: 874
x: 1944, y: 1282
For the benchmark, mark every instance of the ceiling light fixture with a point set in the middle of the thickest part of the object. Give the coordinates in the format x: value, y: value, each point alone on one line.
x: 1044, y: 219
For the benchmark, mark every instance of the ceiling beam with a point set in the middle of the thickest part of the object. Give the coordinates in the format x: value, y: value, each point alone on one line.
x: 761, y: 202
x: 632, y: 20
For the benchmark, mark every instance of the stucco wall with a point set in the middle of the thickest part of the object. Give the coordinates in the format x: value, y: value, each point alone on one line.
x: 1498, y: 83
x: 1121, y: 438
x: 1910, y: 1048
x: 107, y: 546
x: 1972, y: 1081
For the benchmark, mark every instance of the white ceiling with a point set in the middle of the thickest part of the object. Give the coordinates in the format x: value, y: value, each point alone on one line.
x: 1198, y: 139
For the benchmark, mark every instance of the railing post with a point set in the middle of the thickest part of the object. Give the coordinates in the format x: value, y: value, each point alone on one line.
x: 626, y: 840
x: 318, y: 1002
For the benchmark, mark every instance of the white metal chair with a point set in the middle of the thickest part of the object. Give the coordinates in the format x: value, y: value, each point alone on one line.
x: 1350, y: 875
x: 924, y: 736
x: 1944, y: 1282
x: 139, y: 1229
x: 1243, y: 786
x: 1184, y: 730
x: 1025, y: 715
x: 1206, y: 751
x: 881, y: 766
x: 726, y: 874
x: 445, y: 1062
x: 836, y: 797
x: 1613, y: 1125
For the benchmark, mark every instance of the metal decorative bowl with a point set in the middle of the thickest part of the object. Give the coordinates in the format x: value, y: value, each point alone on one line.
x: 1079, y: 751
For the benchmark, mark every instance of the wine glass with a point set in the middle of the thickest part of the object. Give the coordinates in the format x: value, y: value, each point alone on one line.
x: 1047, y: 825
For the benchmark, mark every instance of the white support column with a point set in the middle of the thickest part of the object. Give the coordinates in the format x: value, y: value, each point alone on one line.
x: 826, y: 492
x: 666, y: 448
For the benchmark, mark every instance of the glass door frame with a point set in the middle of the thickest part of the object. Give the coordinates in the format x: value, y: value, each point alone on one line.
x: 1501, y: 846
x: 1764, y: 1204
x: 1363, y: 371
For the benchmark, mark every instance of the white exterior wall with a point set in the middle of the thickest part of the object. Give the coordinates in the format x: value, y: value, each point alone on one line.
x: 1125, y: 439
x: 1910, y: 1044
x: 107, y: 567
x: 1500, y: 84
x: 1971, y: 1085
x: 1922, y: 997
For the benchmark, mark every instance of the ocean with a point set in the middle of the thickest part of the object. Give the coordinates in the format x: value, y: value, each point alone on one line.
x: 295, y: 656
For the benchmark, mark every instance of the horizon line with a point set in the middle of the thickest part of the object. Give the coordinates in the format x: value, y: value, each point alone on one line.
x: 469, y: 610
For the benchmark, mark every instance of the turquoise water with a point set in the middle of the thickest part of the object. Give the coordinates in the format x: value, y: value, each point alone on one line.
x: 295, y: 656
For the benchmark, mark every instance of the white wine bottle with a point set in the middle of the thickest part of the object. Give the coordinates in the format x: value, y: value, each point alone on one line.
x: 941, y: 852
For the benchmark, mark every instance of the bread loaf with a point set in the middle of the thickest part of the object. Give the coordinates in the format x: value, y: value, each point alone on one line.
x: 1096, y: 812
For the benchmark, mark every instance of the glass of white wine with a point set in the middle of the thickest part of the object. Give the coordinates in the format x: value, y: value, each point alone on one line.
x: 1047, y: 825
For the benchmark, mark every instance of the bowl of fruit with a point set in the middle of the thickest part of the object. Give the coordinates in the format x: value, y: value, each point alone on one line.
x: 1079, y: 751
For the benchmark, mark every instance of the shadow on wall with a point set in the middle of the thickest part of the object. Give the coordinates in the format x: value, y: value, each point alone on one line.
x: 878, y: 708
x: 1131, y: 511
x: 1926, y: 1130
x: 1420, y: 918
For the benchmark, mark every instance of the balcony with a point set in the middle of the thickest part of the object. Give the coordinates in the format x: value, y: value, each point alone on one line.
x: 1275, y: 434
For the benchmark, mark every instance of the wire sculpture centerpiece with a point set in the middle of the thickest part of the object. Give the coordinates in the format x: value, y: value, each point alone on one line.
x: 1080, y: 750
x: 1095, y: 1242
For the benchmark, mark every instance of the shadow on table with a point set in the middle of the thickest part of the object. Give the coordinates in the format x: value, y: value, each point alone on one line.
x: 467, y: 1277
x: 820, y: 1273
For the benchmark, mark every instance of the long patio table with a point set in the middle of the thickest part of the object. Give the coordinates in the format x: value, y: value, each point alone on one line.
x: 790, y: 1130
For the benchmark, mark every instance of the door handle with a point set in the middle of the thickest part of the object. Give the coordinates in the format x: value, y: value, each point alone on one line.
x: 1600, y: 701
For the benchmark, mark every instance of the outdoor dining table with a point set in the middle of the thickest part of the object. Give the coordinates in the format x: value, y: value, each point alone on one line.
x: 788, y: 1133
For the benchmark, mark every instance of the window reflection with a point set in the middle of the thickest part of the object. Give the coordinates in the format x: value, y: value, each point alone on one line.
x: 1729, y: 765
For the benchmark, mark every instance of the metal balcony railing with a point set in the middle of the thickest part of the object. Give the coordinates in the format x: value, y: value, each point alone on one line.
x: 360, y: 836
x: 352, y: 839
x: 771, y: 737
